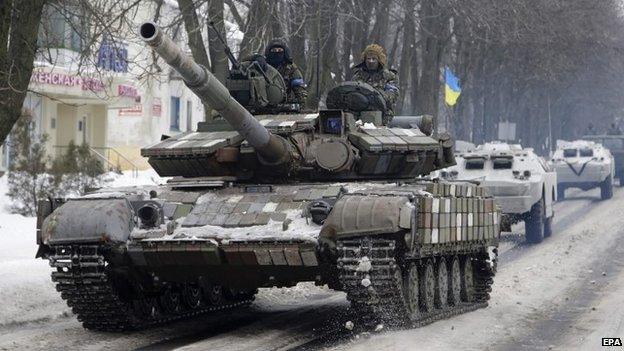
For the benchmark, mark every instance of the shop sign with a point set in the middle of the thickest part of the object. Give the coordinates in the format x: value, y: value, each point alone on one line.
x: 156, y: 107
x: 113, y: 56
x: 127, y: 90
x: 137, y: 110
x: 60, y: 79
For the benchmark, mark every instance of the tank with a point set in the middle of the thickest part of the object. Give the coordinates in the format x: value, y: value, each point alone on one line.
x: 583, y: 164
x: 268, y: 196
x: 522, y: 183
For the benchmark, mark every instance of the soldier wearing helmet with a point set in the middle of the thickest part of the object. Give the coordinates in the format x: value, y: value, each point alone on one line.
x: 373, y: 70
x: 277, y: 55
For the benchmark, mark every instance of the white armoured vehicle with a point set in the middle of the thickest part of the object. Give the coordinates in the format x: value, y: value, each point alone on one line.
x: 585, y: 165
x: 522, y: 183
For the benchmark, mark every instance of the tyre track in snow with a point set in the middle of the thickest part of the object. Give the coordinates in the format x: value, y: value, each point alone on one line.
x: 567, y: 213
x: 555, y: 325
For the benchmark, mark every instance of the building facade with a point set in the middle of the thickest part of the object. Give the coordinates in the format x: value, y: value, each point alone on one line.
x: 108, y: 103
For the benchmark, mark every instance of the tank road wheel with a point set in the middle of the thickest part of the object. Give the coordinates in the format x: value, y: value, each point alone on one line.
x: 442, y: 285
x: 606, y: 188
x: 467, y: 281
x: 560, y: 192
x: 170, y: 301
x: 214, y: 295
x: 145, y: 308
x: 411, y: 284
x: 455, y: 280
x: 192, y: 296
x: 428, y: 287
x: 534, y: 223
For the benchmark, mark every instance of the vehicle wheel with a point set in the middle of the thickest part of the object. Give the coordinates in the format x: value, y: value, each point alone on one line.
x: 427, y: 287
x: 606, y: 188
x: 442, y: 285
x: 455, y: 279
x: 411, y: 284
x: 214, y: 295
x: 534, y: 223
x: 560, y: 192
x: 548, y: 226
x: 192, y: 296
x: 170, y: 301
x: 467, y: 281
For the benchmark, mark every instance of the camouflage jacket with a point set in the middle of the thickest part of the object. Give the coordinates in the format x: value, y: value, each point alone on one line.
x: 295, y: 85
x: 384, y: 80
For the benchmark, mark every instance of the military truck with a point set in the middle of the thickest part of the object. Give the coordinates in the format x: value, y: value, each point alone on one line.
x: 523, y: 184
x: 266, y: 196
x: 585, y: 165
x: 615, y: 145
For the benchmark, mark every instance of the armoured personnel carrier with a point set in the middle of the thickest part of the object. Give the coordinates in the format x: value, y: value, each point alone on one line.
x: 522, y: 183
x: 615, y: 145
x: 272, y: 200
x: 585, y: 165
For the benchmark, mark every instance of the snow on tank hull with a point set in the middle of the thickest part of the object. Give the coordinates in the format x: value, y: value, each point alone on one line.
x: 213, y: 249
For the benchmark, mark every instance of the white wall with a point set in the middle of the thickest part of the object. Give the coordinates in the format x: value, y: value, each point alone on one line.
x: 145, y: 129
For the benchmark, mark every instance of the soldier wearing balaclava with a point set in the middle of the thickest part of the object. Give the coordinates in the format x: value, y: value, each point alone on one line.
x: 372, y: 70
x: 277, y: 55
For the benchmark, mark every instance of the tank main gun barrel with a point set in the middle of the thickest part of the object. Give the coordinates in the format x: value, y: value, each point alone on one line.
x: 271, y: 148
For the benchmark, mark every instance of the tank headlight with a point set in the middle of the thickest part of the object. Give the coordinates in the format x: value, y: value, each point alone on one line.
x: 527, y: 174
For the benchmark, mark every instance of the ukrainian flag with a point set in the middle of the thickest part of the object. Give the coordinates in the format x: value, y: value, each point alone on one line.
x: 451, y: 87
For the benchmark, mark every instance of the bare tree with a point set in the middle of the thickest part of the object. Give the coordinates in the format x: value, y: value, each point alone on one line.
x: 19, y: 22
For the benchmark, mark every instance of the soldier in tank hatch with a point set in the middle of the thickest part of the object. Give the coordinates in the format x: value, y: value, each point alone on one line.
x: 277, y: 55
x: 373, y: 70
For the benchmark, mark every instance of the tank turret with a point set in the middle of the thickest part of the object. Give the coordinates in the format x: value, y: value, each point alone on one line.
x: 272, y: 148
x: 263, y: 141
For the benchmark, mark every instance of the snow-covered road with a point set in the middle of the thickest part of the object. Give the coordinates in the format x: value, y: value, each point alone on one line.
x: 566, y: 293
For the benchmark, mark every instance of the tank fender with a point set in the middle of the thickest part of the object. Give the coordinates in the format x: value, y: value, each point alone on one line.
x: 89, y: 220
x: 358, y: 215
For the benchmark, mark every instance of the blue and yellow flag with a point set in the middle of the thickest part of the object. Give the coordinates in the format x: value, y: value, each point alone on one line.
x: 451, y: 87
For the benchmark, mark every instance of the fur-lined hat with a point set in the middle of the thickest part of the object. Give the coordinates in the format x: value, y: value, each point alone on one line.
x: 376, y: 50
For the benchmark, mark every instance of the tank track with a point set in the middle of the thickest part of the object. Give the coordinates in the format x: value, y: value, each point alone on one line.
x: 83, y: 278
x: 377, y: 294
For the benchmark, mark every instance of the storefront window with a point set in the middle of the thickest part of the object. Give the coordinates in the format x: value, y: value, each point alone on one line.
x: 174, y: 113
